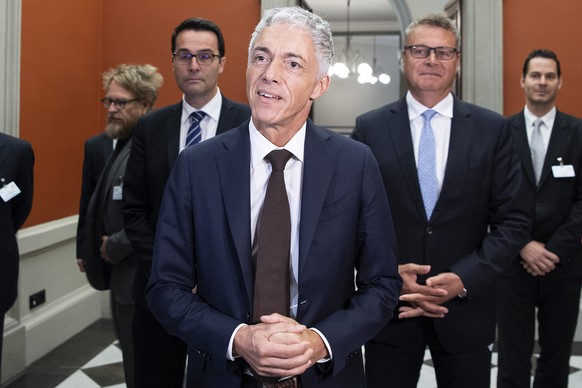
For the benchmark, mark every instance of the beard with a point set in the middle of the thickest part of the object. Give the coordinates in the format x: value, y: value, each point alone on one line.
x: 119, y: 129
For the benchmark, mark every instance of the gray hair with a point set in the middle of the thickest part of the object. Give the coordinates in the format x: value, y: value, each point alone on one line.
x: 434, y: 20
x: 313, y: 24
x: 141, y: 80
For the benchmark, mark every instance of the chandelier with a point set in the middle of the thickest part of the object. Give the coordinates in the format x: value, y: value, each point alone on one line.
x: 351, y: 63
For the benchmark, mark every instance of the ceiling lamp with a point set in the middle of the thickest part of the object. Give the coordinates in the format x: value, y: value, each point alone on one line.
x: 372, y: 74
x: 347, y: 63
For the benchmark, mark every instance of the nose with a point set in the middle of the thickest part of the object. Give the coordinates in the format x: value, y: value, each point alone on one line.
x: 193, y: 66
x: 112, y: 108
x: 431, y: 57
x: 272, y: 72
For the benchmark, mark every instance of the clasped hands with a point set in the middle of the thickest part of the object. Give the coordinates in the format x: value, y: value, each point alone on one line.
x: 426, y: 300
x: 537, y: 260
x: 279, y: 346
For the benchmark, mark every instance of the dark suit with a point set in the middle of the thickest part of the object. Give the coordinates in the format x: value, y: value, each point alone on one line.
x: 204, y: 240
x: 556, y: 205
x: 97, y: 150
x: 482, y: 180
x: 104, y: 218
x: 16, y: 165
x: 155, y: 149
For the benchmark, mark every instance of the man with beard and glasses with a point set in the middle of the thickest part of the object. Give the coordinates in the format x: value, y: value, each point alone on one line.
x: 130, y: 92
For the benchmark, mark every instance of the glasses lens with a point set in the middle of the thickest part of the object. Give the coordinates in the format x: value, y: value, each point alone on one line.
x: 183, y: 58
x: 204, y: 58
x: 419, y: 51
x: 444, y: 52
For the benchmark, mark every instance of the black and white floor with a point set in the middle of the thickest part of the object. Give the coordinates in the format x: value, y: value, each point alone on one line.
x: 92, y: 359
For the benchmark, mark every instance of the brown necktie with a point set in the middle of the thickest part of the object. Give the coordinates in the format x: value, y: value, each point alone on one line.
x: 273, y: 245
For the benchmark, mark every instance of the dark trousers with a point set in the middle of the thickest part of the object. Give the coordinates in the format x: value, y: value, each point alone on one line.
x: 399, y: 366
x: 1, y: 339
x: 159, y: 358
x: 557, y: 302
x: 123, y: 320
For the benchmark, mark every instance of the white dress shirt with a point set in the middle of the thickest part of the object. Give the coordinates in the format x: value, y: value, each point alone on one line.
x: 441, y: 126
x: 208, y: 124
x: 546, y: 127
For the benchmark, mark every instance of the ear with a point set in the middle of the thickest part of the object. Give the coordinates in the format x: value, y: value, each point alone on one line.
x: 522, y: 81
x: 221, y: 64
x: 320, y: 88
x: 560, y: 83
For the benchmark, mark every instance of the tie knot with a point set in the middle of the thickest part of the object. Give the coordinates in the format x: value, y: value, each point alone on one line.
x: 428, y: 114
x: 197, y: 116
x: 278, y: 159
x: 538, y: 123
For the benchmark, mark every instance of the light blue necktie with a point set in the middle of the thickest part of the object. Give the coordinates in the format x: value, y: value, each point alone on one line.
x: 427, y: 179
x: 194, y: 135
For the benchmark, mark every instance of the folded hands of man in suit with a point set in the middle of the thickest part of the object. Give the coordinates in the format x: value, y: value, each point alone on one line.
x: 279, y: 346
x: 426, y: 300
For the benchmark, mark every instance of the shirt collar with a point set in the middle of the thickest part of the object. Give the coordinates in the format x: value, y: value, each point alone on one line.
x: 261, y: 146
x: 212, y: 108
x: 548, y: 118
x: 443, y: 108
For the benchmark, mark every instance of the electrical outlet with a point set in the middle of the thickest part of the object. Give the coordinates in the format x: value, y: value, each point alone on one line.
x: 37, y: 299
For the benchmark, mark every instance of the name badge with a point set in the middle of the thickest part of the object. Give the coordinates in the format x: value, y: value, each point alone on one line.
x: 117, y: 193
x: 9, y: 191
x: 563, y: 171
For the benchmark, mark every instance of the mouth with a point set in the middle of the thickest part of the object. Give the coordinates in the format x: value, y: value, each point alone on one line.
x: 269, y: 96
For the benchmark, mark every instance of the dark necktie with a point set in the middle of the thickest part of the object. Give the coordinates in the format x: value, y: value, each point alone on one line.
x: 194, y: 134
x: 427, y: 179
x: 273, y: 245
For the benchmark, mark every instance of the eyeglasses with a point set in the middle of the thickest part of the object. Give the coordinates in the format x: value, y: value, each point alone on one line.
x: 421, y: 51
x: 119, y: 104
x: 185, y: 58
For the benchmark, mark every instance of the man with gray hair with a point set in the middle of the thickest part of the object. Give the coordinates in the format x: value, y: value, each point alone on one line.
x: 130, y: 92
x: 270, y: 231
x: 454, y: 184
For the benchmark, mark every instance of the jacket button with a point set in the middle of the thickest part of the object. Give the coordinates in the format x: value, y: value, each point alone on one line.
x: 429, y: 230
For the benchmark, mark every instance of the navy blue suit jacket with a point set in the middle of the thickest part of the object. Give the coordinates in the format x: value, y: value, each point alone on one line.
x: 204, y: 240
x: 156, y: 140
x: 480, y: 192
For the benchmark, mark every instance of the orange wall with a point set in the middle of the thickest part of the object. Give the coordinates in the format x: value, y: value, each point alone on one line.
x: 532, y: 24
x: 67, y: 44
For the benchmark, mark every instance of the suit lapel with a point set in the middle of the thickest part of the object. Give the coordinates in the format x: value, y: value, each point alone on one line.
x: 461, y: 130
x: 559, y: 136
x: 226, y: 119
x: 172, y: 127
x: 519, y: 133
x: 399, y: 129
x: 234, y: 175
x: 319, y: 166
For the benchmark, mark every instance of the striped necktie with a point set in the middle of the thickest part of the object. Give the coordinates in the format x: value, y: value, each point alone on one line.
x: 194, y: 134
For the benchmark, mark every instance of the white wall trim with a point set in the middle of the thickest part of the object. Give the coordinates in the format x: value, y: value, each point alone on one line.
x: 482, y: 53
x: 10, y: 23
x: 43, y: 236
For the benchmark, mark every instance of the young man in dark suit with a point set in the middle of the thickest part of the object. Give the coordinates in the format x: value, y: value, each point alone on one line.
x: 545, y: 279
x: 214, y: 221
x: 16, y: 190
x: 198, y: 52
x: 453, y: 182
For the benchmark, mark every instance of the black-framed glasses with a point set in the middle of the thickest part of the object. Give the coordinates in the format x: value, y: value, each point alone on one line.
x: 420, y: 51
x: 117, y: 102
x: 185, y: 58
